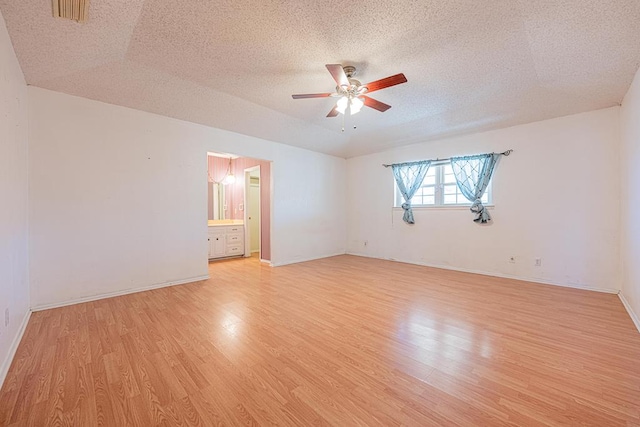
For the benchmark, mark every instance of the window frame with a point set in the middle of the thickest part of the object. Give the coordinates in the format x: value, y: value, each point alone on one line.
x: 439, y: 192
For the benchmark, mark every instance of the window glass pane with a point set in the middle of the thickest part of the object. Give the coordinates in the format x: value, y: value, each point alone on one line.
x: 428, y: 191
x: 448, y: 176
x: 424, y: 196
x: 449, y: 179
x: 450, y: 189
x: 450, y: 199
x: 430, y: 177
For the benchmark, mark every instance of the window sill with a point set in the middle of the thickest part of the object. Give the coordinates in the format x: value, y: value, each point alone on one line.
x: 444, y: 208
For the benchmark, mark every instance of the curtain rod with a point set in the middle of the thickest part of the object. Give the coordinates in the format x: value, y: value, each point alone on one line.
x: 504, y: 153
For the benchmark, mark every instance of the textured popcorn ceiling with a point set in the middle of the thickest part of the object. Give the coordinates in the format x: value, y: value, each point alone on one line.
x: 472, y: 65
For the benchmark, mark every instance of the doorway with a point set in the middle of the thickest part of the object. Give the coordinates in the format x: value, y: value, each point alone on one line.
x: 253, y: 241
x: 239, y: 204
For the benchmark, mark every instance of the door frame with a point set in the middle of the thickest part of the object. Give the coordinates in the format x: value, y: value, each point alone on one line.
x: 247, y: 231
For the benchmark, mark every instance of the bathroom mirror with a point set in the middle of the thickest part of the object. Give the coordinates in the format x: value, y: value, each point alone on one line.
x: 218, y: 201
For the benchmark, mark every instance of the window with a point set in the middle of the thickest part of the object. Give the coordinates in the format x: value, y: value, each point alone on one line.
x: 439, y: 188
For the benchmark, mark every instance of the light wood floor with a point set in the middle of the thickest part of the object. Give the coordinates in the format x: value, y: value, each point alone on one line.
x: 344, y: 341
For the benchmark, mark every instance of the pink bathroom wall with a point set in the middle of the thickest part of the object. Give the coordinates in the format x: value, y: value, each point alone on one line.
x: 217, y: 168
x: 235, y: 193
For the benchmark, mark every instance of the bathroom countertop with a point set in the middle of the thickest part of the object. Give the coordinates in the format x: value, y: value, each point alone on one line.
x: 221, y: 222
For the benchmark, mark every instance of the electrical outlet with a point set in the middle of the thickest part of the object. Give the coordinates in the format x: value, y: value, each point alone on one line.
x: 538, y: 262
x: 6, y: 317
x: 512, y: 259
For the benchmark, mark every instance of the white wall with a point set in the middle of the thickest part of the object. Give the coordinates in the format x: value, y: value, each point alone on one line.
x: 14, y: 283
x: 556, y: 197
x: 630, y: 168
x: 118, y: 198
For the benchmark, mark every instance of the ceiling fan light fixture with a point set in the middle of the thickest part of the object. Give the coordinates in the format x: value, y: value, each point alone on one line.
x: 342, y: 104
x: 356, y: 105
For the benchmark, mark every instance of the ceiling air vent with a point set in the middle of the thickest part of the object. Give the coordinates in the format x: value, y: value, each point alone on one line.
x: 76, y: 10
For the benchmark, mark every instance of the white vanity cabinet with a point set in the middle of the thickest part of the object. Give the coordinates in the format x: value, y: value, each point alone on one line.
x: 226, y: 241
x: 217, y: 245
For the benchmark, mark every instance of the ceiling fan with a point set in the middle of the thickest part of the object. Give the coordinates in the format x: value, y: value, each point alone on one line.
x: 351, y: 92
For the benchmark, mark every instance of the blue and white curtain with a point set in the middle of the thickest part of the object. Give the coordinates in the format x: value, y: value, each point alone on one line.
x: 409, y: 177
x: 473, y: 174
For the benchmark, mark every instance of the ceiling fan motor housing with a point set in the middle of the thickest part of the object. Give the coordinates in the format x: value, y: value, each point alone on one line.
x: 349, y: 70
x: 354, y: 89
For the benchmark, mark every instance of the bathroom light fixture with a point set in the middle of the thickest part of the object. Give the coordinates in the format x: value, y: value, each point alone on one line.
x: 229, y: 177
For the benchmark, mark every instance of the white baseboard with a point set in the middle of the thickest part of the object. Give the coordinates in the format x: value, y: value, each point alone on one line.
x: 632, y: 314
x: 266, y: 261
x: 296, y: 261
x: 486, y: 273
x: 117, y: 293
x: 6, y: 364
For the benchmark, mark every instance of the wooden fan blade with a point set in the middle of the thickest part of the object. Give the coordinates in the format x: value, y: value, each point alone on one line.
x: 375, y: 104
x: 333, y: 112
x: 386, y: 82
x: 338, y: 74
x: 312, y: 95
